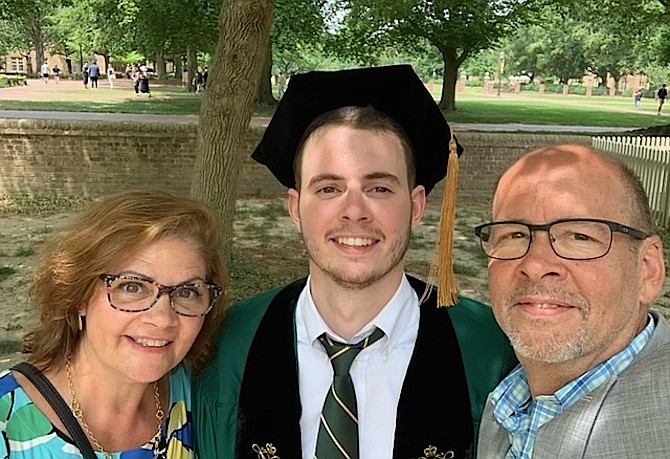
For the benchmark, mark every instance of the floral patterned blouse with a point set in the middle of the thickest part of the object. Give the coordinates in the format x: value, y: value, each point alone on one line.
x: 28, y: 434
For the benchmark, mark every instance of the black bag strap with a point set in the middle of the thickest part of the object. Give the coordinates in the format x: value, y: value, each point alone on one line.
x: 60, y: 407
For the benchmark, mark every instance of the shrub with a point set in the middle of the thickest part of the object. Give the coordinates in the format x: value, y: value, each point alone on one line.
x: 577, y: 89
x: 601, y: 91
x: 553, y: 88
x: 530, y: 87
x: 7, y: 81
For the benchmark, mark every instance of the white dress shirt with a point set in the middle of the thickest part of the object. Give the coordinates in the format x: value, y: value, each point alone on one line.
x: 377, y: 373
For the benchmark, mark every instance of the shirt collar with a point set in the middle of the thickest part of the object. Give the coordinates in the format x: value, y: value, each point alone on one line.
x: 513, y: 396
x: 392, y: 319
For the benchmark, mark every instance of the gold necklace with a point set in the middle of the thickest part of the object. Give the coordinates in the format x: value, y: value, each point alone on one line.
x: 76, y: 410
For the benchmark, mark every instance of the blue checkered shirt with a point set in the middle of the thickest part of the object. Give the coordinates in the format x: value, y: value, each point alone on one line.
x: 522, y: 416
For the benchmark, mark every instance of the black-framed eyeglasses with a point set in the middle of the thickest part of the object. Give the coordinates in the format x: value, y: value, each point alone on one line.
x: 135, y: 294
x: 570, y: 238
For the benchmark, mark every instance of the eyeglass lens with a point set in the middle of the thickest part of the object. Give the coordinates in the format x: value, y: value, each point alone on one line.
x: 132, y: 294
x: 576, y: 240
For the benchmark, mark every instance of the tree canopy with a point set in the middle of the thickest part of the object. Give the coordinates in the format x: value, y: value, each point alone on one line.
x: 457, y: 29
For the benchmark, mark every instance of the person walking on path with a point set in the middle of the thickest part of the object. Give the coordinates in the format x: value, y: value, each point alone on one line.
x: 662, y: 94
x: 141, y: 80
x: 44, y: 70
x: 84, y: 73
x: 56, y: 72
x: 94, y: 74
x: 110, y: 76
x: 198, y: 82
x: 638, y: 98
x: 281, y: 84
x: 185, y: 79
x: 136, y: 80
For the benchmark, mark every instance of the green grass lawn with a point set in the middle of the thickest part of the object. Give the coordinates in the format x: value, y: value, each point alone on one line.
x: 164, y: 101
x: 548, y: 113
x: 472, y: 107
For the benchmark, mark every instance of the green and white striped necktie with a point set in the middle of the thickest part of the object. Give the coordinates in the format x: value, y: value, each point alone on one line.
x: 338, y: 430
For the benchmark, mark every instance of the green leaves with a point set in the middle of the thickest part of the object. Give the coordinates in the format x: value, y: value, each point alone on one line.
x: 298, y: 33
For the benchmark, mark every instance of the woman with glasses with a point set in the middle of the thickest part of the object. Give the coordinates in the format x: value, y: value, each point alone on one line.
x: 130, y: 297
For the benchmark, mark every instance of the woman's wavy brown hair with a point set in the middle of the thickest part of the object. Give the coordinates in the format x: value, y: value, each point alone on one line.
x: 109, y: 233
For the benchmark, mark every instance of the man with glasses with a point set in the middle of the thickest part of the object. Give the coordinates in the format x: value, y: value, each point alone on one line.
x: 574, y: 265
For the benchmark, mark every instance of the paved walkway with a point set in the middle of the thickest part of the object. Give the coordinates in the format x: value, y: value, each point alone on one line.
x: 94, y: 116
x: 263, y: 121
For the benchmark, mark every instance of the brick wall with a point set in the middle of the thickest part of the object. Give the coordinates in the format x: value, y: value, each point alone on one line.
x: 487, y: 155
x: 47, y: 157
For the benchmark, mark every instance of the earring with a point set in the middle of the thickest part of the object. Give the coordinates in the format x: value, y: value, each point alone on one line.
x: 80, y: 321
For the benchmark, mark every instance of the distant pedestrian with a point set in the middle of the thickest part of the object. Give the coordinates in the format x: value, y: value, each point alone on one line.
x: 110, y: 76
x: 281, y: 84
x: 185, y: 81
x: 136, y: 80
x: 198, y: 81
x: 44, y: 70
x: 129, y: 71
x: 638, y: 98
x: 143, y: 81
x: 84, y: 73
x: 661, y: 95
x: 56, y: 73
x: 94, y: 74
x: 205, y: 75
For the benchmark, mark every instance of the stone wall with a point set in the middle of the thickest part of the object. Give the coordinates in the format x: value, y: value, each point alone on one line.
x: 67, y: 158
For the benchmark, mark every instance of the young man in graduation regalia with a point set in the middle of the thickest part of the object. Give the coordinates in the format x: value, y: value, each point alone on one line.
x: 354, y: 361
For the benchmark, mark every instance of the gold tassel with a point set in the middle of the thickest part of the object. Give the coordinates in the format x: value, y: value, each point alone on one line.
x: 447, y: 287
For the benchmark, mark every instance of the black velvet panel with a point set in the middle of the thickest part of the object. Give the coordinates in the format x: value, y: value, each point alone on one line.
x: 269, y: 408
x: 434, y: 407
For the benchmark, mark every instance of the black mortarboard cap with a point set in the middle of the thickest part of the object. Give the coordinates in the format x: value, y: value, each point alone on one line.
x: 394, y: 90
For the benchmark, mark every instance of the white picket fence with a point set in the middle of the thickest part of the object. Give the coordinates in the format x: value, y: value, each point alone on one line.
x: 649, y: 158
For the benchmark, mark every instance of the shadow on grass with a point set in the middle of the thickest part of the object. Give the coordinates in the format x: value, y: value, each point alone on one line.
x: 257, y: 269
x: 8, y: 346
x: 162, y: 102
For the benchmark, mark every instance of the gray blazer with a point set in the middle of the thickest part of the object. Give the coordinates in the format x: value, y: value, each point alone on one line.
x: 629, y: 417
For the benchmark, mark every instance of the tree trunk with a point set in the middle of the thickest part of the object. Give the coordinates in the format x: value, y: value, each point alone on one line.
x: 37, y: 36
x: 105, y: 55
x: 616, y: 76
x: 264, y: 96
x: 449, y: 78
x: 228, y: 105
x: 192, y: 66
x: 160, y: 67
